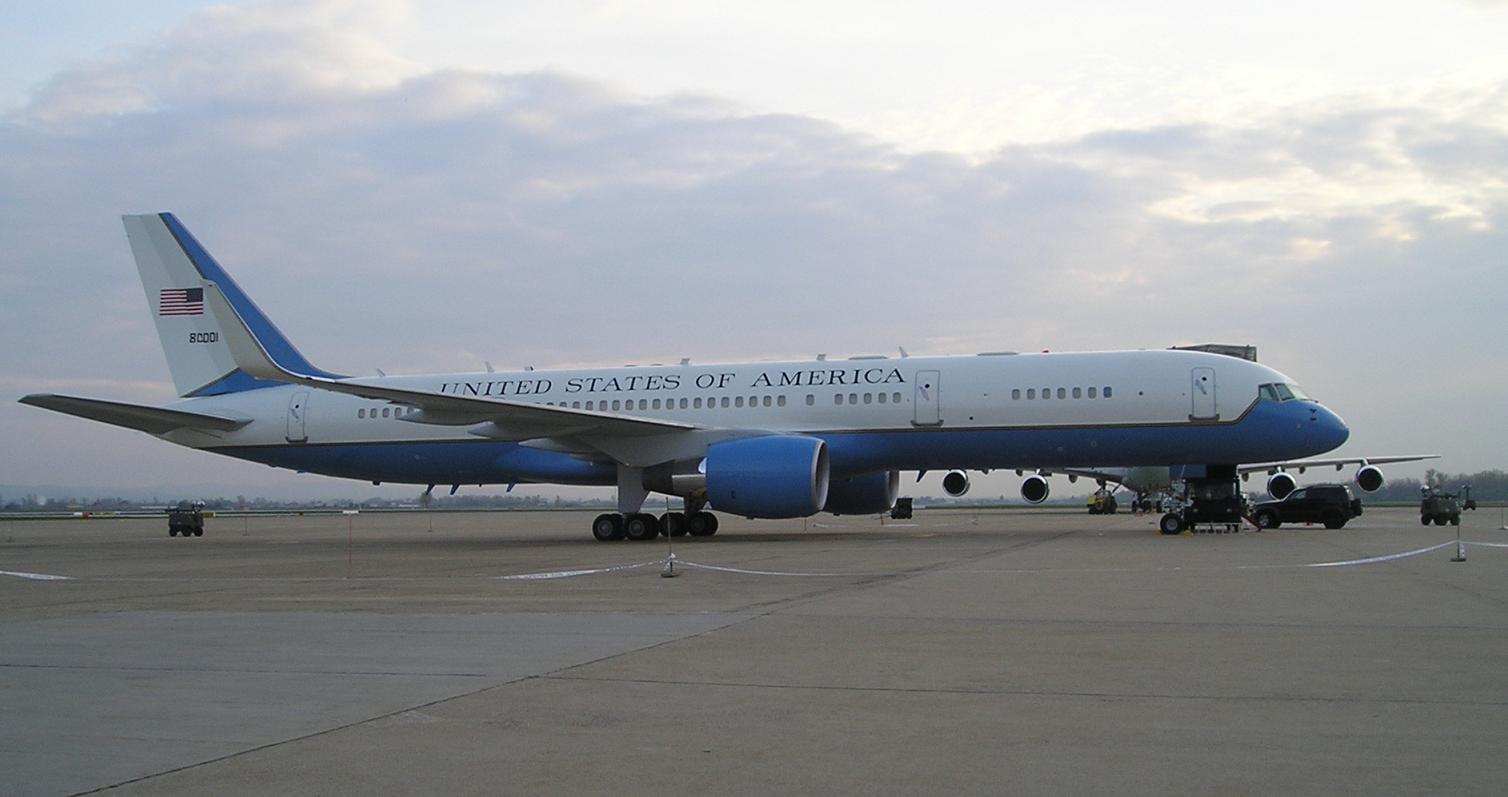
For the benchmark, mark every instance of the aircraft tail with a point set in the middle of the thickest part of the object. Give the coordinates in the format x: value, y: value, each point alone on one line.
x: 173, y: 270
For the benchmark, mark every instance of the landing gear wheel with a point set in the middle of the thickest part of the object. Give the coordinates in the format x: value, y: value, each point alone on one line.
x: 608, y: 527
x: 172, y: 531
x: 198, y: 532
x: 673, y: 524
x: 1455, y: 520
x: 1424, y: 520
x: 1267, y: 520
x: 641, y: 527
x: 701, y: 524
x: 1171, y: 524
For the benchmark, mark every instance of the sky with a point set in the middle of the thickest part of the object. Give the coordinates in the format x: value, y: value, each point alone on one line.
x: 424, y: 187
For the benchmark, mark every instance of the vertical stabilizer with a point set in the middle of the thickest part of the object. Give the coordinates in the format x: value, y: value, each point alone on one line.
x: 173, y: 269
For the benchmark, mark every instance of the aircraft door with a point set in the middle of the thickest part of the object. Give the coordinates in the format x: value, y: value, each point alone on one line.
x: 928, y: 385
x: 298, y: 406
x: 1202, y: 389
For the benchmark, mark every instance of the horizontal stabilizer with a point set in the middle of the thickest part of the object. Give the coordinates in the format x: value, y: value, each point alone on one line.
x: 152, y: 420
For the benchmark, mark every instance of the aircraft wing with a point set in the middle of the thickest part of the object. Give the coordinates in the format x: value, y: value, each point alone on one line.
x: 621, y: 437
x: 1301, y: 465
x: 152, y: 420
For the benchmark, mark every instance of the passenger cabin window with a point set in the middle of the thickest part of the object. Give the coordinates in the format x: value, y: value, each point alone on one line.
x: 1076, y: 392
x: 895, y: 398
x: 1107, y: 391
x: 838, y: 399
x: 361, y: 413
x: 1093, y: 392
x: 811, y: 400
x: 384, y: 412
x: 1031, y: 393
x: 1016, y: 394
x: 882, y: 397
x: 1062, y: 393
x: 780, y: 401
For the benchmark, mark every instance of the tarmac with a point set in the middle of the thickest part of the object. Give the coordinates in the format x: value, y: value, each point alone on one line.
x: 1022, y: 652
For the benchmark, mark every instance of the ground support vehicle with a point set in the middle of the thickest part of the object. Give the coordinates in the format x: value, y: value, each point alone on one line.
x: 1102, y: 502
x: 187, y: 519
x: 1212, y: 503
x: 1439, y: 507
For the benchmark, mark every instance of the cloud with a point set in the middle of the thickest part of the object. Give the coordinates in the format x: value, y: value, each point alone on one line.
x: 394, y: 216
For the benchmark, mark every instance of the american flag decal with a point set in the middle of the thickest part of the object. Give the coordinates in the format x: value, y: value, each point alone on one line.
x: 180, y: 301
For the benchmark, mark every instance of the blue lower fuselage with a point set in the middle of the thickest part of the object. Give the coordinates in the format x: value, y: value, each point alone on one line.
x: 1267, y: 431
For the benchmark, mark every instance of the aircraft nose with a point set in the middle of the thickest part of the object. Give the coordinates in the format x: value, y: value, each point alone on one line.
x: 1326, y: 429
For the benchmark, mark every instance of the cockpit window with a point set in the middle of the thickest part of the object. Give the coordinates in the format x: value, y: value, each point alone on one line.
x: 1280, y: 391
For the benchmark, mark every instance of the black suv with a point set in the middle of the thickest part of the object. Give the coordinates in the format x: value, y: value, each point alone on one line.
x: 1330, y: 504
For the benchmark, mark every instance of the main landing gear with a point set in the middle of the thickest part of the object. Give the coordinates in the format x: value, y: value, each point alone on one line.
x: 643, y: 526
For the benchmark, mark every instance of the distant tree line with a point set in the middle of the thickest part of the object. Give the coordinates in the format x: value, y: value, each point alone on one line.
x: 1486, y: 485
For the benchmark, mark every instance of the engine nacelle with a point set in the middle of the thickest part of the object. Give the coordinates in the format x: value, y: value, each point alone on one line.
x: 1280, y: 484
x: 776, y: 476
x: 1369, y: 478
x: 1035, y: 489
x: 867, y: 494
x: 955, y: 483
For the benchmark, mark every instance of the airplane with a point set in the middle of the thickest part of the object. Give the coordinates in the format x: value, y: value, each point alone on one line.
x: 759, y: 440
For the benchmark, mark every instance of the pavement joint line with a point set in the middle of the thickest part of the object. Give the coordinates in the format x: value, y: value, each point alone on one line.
x: 396, y: 712
x: 241, y: 670
x: 1148, y: 623
x: 293, y: 739
x: 1025, y: 692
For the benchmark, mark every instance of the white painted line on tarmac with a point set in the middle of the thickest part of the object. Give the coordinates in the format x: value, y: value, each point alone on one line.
x: 764, y: 572
x: 1388, y: 558
x: 1488, y: 544
x: 36, y: 576
x: 554, y: 574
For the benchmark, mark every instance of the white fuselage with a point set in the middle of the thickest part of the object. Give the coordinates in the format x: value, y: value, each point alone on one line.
x: 1086, y: 391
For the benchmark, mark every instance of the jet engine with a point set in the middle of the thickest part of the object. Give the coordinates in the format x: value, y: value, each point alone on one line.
x: 775, y: 476
x: 1280, y: 484
x: 955, y: 483
x: 1369, y: 478
x: 1034, y: 488
x: 866, y: 494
